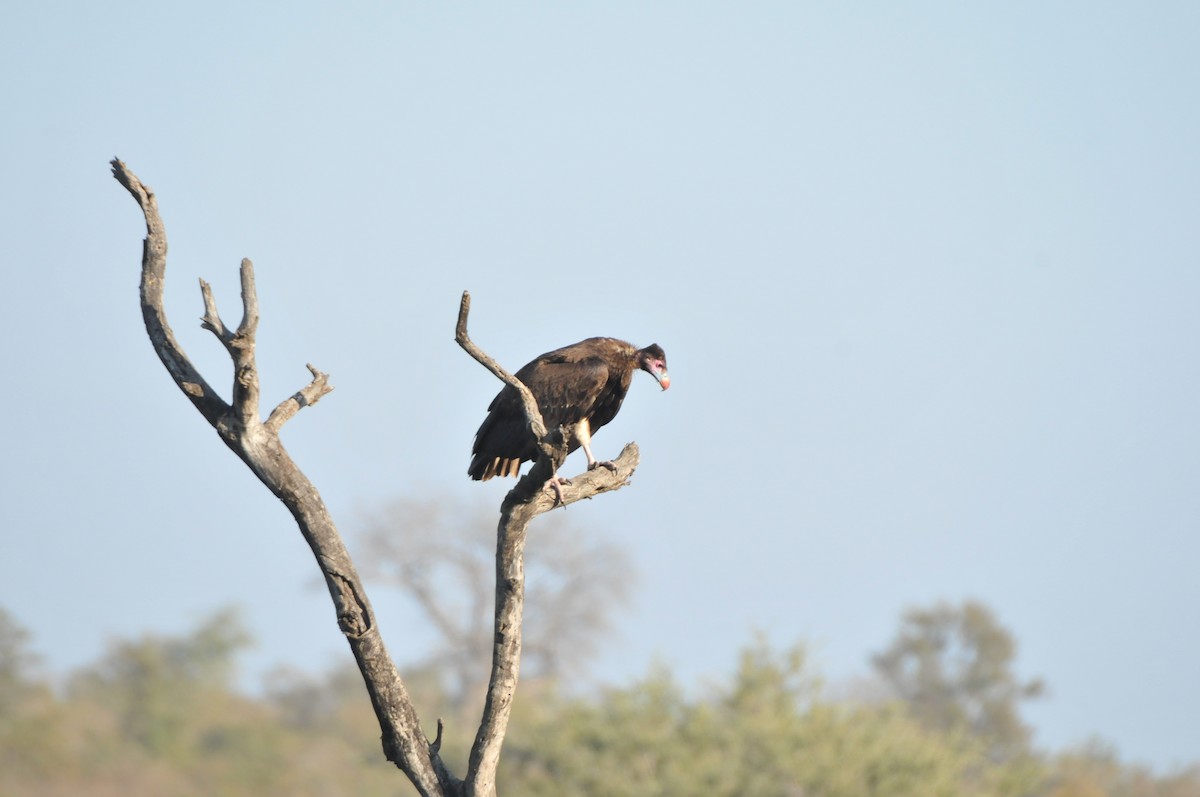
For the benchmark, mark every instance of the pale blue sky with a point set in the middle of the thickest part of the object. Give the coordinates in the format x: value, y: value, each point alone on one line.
x: 927, y: 278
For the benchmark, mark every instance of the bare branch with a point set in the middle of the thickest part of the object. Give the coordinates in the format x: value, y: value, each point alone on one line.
x: 524, y: 502
x: 259, y: 446
x: 536, y: 424
x: 212, y: 319
x: 591, y: 483
x: 306, y: 397
x: 249, y: 325
x: 154, y: 263
x: 241, y: 348
x: 436, y: 744
x: 518, y: 509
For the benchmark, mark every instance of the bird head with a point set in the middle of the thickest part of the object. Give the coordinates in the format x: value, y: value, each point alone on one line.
x: 653, y: 360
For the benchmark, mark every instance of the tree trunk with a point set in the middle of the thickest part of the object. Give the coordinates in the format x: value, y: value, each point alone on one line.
x: 257, y: 443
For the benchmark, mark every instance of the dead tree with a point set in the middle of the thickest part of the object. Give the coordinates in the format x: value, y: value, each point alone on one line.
x: 257, y: 443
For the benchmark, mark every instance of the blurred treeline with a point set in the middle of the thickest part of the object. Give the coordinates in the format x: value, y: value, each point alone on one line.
x: 161, y: 716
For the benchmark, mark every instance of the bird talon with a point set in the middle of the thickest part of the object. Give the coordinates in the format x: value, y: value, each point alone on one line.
x: 612, y: 466
x: 556, y: 485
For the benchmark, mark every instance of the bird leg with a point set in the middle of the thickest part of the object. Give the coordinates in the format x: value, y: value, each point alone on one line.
x: 583, y: 433
x: 594, y: 463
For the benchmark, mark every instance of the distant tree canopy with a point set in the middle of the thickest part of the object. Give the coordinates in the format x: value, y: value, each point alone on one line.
x: 155, y: 686
x: 16, y: 663
x: 952, y: 665
x: 442, y: 556
x: 159, y: 716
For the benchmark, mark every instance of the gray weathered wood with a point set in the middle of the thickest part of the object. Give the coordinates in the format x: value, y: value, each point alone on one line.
x: 523, y: 503
x: 257, y: 443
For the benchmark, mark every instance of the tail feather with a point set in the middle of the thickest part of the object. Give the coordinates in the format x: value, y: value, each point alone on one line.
x: 482, y: 469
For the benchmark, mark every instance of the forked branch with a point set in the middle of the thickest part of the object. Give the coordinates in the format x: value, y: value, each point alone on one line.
x: 524, y: 502
x: 258, y: 444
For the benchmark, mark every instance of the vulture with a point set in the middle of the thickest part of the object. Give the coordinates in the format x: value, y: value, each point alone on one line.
x: 582, y: 384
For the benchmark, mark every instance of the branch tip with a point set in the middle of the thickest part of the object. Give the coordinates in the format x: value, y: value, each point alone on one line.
x: 307, y: 396
x: 249, y: 300
x: 464, y: 309
x: 436, y: 744
x: 211, y: 320
x: 154, y: 264
x: 123, y: 175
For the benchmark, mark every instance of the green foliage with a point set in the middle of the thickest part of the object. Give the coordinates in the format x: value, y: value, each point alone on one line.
x: 17, y: 663
x: 953, y: 667
x: 1094, y: 771
x: 158, y: 687
x: 29, y: 714
x: 158, y: 716
x: 767, y: 733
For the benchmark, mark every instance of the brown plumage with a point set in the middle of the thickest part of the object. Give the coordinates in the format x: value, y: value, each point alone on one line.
x: 582, y: 384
